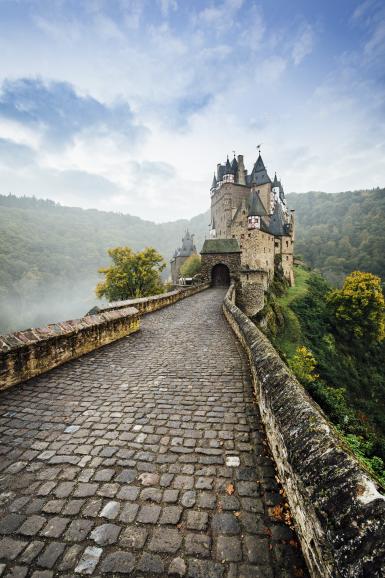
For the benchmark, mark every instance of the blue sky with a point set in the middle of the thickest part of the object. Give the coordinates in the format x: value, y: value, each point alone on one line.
x: 128, y: 105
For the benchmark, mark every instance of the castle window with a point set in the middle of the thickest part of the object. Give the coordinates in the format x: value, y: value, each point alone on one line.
x: 287, y: 243
x: 287, y: 258
x: 249, y: 235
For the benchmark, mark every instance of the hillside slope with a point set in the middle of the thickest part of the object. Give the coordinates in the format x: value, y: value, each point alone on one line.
x: 49, y: 255
x: 341, y: 232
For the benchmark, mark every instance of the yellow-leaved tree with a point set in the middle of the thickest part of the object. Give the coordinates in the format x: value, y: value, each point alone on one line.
x: 358, y: 309
x: 191, y: 266
x: 132, y: 274
x: 303, y: 365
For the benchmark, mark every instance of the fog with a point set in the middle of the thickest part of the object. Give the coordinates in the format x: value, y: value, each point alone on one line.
x: 36, y: 306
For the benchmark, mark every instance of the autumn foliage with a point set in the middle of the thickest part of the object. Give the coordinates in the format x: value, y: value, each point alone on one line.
x: 358, y: 309
x: 132, y: 274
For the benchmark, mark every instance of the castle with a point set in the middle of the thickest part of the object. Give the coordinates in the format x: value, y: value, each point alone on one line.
x: 181, y: 254
x: 251, y: 231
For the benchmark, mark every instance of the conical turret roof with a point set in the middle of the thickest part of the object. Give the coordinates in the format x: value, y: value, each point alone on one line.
x: 259, y: 174
x: 256, y: 208
x: 214, y: 183
x: 229, y: 170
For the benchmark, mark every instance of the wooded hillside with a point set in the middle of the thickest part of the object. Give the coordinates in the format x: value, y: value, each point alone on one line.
x: 49, y: 255
x: 341, y: 232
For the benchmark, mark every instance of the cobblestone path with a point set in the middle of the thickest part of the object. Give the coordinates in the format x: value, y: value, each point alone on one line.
x: 126, y: 461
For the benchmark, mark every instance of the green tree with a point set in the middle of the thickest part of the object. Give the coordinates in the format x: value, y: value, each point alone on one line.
x: 358, y: 309
x: 303, y: 364
x: 191, y: 266
x: 132, y: 274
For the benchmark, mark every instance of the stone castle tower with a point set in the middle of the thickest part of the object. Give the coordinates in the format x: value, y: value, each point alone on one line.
x: 251, y: 231
x: 181, y: 254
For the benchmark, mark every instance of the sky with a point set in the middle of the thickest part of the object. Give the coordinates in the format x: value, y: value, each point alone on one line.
x: 128, y: 105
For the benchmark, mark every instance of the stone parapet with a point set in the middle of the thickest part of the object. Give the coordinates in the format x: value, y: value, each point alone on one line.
x: 25, y: 354
x: 149, y: 304
x: 338, y: 509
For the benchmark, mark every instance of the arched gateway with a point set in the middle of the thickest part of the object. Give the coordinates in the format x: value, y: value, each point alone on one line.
x: 220, y: 275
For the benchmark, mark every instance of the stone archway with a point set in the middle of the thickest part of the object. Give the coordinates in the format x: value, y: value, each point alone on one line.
x: 220, y: 275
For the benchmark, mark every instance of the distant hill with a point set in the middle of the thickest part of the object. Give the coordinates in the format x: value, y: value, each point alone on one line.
x: 50, y: 254
x: 341, y: 232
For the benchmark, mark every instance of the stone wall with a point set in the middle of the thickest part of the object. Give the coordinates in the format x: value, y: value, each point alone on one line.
x: 148, y: 304
x: 25, y: 354
x: 339, y: 512
x: 251, y: 291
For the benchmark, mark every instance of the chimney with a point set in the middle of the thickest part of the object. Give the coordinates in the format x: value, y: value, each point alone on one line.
x: 241, y: 171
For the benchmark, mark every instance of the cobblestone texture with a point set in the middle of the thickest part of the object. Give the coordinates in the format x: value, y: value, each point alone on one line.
x: 116, y: 463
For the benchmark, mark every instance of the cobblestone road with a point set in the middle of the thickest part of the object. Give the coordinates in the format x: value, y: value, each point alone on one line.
x: 126, y: 461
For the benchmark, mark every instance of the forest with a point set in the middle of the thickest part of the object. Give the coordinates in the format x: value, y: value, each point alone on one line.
x: 50, y: 254
x: 341, y: 232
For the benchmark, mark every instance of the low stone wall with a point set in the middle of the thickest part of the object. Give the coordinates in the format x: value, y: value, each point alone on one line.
x: 339, y: 512
x: 25, y: 354
x: 149, y: 304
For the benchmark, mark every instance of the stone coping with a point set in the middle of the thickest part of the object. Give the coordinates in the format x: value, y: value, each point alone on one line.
x: 148, y: 304
x: 338, y: 509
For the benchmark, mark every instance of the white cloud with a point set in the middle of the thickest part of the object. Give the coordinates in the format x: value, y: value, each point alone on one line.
x: 174, y: 92
x: 303, y: 45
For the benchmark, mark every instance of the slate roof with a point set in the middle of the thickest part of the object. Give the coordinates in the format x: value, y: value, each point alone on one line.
x: 229, y: 170
x: 259, y: 174
x: 220, y: 246
x: 256, y: 208
x: 277, y: 225
x: 188, y: 248
x: 214, y: 183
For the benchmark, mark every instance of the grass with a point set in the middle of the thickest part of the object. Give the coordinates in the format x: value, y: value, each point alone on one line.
x: 291, y: 337
x: 301, y: 276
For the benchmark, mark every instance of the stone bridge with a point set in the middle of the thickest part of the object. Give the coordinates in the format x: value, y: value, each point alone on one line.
x: 148, y: 457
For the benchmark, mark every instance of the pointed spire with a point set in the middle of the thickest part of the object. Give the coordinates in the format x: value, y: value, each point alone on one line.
x: 214, y: 183
x: 228, y: 167
x: 259, y: 174
x: 259, y: 164
x: 276, y: 181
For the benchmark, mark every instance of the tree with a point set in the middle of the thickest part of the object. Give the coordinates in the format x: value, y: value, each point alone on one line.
x: 303, y: 364
x: 132, y: 274
x: 358, y: 309
x: 191, y: 266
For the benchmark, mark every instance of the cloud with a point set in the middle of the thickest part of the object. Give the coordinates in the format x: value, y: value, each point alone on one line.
x: 59, y: 113
x: 129, y: 104
x: 303, y: 45
x: 15, y: 155
x: 168, y: 6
